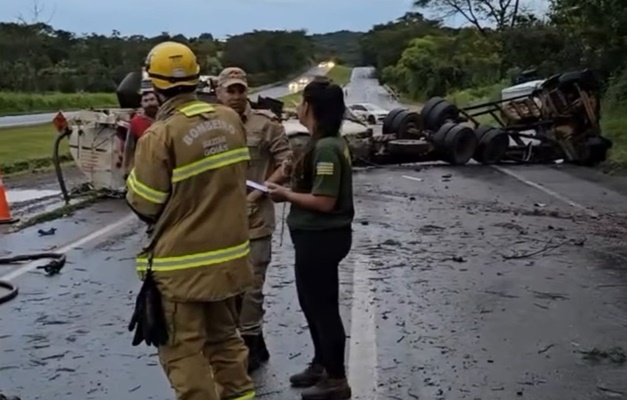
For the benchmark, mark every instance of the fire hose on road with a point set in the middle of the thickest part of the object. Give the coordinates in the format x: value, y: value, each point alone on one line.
x: 53, y: 267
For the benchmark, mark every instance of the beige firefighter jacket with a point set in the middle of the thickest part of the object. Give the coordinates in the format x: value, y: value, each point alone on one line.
x: 189, y: 178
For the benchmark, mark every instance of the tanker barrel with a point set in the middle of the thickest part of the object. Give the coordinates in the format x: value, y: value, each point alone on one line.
x: 128, y: 91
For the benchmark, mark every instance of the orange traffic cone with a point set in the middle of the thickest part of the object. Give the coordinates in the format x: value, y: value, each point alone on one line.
x: 5, y: 211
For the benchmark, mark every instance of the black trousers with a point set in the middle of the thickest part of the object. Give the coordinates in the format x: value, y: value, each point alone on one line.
x: 318, y: 255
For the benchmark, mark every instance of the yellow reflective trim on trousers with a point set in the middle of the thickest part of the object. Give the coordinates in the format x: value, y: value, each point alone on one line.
x: 169, y: 264
x: 246, y: 396
x: 214, y: 161
x: 195, y: 108
x: 144, y: 191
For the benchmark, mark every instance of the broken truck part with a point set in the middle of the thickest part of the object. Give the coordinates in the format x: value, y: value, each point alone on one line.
x: 534, y: 122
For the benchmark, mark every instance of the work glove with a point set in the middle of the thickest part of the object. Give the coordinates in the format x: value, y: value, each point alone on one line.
x: 148, y: 320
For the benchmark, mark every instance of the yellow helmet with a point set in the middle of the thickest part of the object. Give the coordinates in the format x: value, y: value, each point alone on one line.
x: 172, y: 64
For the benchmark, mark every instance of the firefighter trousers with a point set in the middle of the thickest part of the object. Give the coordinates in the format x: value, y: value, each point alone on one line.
x: 252, y: 311
x: 205, y: 358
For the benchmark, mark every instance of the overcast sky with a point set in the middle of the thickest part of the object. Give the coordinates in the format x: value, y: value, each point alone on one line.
x: 221, y: 18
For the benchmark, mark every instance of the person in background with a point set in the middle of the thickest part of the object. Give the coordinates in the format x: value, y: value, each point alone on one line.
x: 143, y: 119
x: 138, y: 125
x: 320, y: 224
x: 269, y: 147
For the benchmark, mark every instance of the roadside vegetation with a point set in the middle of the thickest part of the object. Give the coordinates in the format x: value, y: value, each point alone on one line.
x: 47, y: 69
x: 421, y: 58
x: 416, y: 56
x: 15, y: 103
x: 28, y: 148
x: 339, y: 74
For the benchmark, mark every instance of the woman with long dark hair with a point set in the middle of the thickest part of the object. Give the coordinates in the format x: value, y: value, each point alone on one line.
x: 320, y: 224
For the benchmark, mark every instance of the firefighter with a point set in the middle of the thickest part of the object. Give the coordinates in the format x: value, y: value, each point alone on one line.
x: 269, y: 148
x: 320, y: 221
x: 188, y: 183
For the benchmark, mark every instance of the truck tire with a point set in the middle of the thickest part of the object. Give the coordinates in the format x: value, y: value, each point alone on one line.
x: 455, y: 143
x: 407, y: 125
x: 492, y: 144
x: 408, y: 147
x: 593, y: 151
x: 436, y: 112
x: 387, y: 122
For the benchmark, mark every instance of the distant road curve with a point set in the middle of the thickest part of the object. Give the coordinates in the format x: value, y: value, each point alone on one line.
x: 36, y: 119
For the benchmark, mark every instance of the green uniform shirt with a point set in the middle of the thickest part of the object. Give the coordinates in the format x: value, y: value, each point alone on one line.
x: 329, y: 174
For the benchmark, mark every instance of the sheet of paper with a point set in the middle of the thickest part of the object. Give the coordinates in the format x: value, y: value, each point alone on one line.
x: 255, y: 185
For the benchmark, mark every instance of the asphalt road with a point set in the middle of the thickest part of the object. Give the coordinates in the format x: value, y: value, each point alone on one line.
x: 34, y: 119
x: 463, y: 283
x: 364, y: 89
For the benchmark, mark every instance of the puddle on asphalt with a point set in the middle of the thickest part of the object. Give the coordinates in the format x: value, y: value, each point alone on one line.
x: 20, y: 196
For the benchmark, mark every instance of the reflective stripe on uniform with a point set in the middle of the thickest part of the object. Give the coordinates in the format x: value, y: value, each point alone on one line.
x: 246, y: 396
x: 214, y: 161
x: 195, y: 108
x: 144, y: 191
x: 169, y: 264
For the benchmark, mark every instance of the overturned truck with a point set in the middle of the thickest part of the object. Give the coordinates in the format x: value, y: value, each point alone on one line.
x: 535, y: 122
x: 557, y: 118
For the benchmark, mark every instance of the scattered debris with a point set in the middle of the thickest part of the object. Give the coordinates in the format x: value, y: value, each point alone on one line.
x: 545, y: 349
x: 615, y: 355
x: 48, y: 232
x: 549, y: 246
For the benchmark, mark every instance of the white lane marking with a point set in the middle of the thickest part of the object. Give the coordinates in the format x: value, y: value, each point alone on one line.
x: 362, y: 360
x: 535, y: 186
x: 546, y: 190
x: 413, y: 178
x: 92, y: 236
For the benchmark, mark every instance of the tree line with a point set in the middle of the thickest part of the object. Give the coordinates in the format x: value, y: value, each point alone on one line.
x: 421, y: 57
x: 36, y: 57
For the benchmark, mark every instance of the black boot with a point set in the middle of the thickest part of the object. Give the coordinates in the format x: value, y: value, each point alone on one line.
x: 252, y: 342
x: 264, y: 354
x: 5, y: 397
x: 328, y: 389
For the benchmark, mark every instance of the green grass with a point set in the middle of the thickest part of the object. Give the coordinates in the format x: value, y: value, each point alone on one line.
x: 339, y: 74
x: 614, y: 127
x: 28, y: 148
x: 471, y: 97
x: 19, y: 103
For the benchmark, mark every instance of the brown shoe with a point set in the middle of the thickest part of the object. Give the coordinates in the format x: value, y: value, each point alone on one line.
x: 309, y: 377
x: 328, y: 389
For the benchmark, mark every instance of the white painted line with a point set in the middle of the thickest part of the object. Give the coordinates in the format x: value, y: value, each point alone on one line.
x: 413, y: 178
x: 546, y: 190
x: 362, y: 359
x: 92, y: 236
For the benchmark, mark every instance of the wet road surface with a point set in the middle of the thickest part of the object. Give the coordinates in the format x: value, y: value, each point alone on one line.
x: 363, y: 88
x: 42, y: 118
x: 283, y: 90
x: 463, y: 283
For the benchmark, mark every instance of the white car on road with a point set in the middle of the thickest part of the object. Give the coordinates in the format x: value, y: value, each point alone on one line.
x: 371, y: 113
